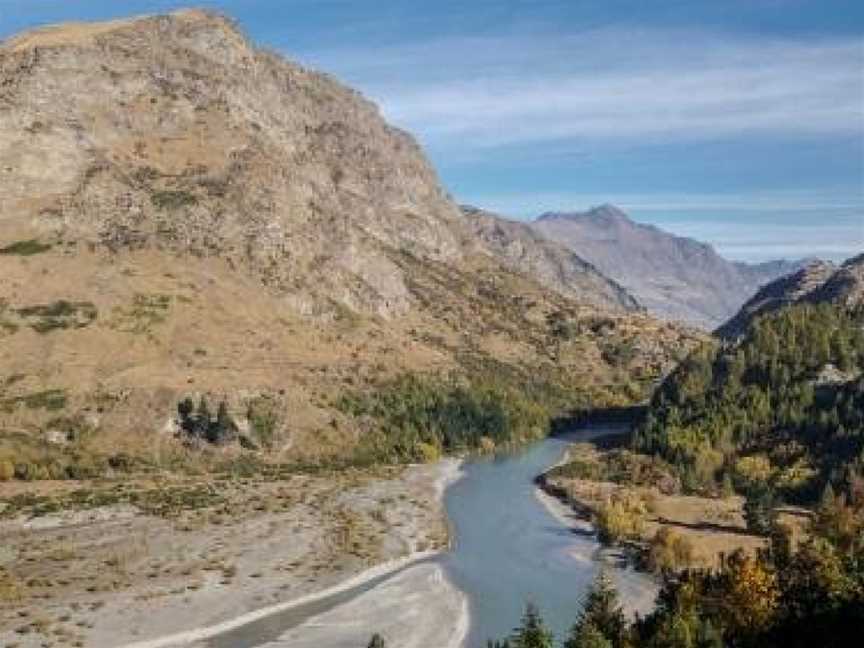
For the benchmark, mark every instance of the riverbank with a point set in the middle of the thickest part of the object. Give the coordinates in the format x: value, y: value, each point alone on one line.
x: 703, y: 529
x: 114, y: 575
x: 637, y: 593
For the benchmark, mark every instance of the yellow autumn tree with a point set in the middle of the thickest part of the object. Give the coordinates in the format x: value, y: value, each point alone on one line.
x: 753, y: 594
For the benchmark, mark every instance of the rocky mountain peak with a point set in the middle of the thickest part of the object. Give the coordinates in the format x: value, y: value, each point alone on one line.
x: 605, y: 214
x: 674, y: 277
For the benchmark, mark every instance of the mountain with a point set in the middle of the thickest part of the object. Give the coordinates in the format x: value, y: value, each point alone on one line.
x: 522, y: 249
x: 183, y: 216
x: 674, y: 277
x: 818, y: 282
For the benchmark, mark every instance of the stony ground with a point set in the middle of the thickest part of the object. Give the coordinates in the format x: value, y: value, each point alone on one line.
x: 202, y: 553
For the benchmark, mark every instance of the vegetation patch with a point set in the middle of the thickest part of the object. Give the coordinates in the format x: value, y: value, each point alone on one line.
x: 50, y: 400
x: 58, y: 315
x: 172, y: 200
x: 25, y: 248
x: 265, y: 421
x: 621, y: 467
x: 145, y: 312
x: 419, y: 414
x: 199, y: 424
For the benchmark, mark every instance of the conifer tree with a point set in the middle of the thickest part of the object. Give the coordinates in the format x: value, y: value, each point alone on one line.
x: 533, y: 632
x: 601, y: 615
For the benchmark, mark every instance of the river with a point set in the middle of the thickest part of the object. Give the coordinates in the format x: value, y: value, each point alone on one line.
x: 508, y: 549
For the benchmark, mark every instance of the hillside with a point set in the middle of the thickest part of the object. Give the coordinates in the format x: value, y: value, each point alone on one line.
x: 673, y: 277
x: 522, y: 249
x: 781, y: 405
x: 184, y: 216
x: 816, y: 283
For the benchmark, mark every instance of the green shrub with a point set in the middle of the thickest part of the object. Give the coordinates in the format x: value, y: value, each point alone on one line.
x: 264, y: 420
x: 50, y: 400
x: 61, y: 314
x: 669, y: 550
x: 621, y: 517
x: 25, y: 248
x: 172, y: 199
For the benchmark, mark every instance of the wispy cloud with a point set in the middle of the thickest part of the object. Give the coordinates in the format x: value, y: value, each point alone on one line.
x: 488, y: 92
x: 765, y: 202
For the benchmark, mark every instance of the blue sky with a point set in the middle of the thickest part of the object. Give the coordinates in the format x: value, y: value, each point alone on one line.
x: 739, y: 122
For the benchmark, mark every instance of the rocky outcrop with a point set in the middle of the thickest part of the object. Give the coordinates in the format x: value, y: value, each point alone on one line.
x: 674, y: 277
x: 524, y: 250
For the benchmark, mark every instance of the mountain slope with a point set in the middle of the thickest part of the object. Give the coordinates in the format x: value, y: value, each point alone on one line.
x: 817, y: 283
x: 523, y: 250
x: 183, y: 215
x: 277, y: 168
x: 674, y: 277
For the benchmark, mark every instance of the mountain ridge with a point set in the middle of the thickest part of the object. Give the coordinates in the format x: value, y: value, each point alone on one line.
x: 557, y: 267
x: 675, y: 277
x: 818, y: 282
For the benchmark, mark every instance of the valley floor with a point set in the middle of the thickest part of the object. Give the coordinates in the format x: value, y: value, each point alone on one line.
x: 112, y: 575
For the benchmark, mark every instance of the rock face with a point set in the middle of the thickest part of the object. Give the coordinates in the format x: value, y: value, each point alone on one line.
x: 173, y: 132
x: 524, y: 250
x: 674, y: 277
x: 818, y: 282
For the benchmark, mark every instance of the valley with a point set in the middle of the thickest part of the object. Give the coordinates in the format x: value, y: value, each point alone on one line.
x: 264, y: 382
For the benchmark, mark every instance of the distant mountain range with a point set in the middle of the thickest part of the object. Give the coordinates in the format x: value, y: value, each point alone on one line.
x: 672, y: 276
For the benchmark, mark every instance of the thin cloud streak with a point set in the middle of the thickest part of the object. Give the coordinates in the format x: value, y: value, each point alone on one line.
x: 612, y: 86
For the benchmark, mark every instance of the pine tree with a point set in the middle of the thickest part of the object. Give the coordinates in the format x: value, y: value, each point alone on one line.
x: 759, y: 509
x: 377, y: 641
x: 224, y: 428
x: 587, y: 635
x: 202, y: 418
x: 601, y: 613
x: 533, y: 632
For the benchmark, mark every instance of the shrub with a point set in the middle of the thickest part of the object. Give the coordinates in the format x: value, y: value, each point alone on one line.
x: 61, y: 314
x: 669, y: 550
x: 427, y: 453
x: 264, y: 420
x: 621, y: 517
x: 172, y: 199
x: 25, y: 248
x: 7, y: 470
